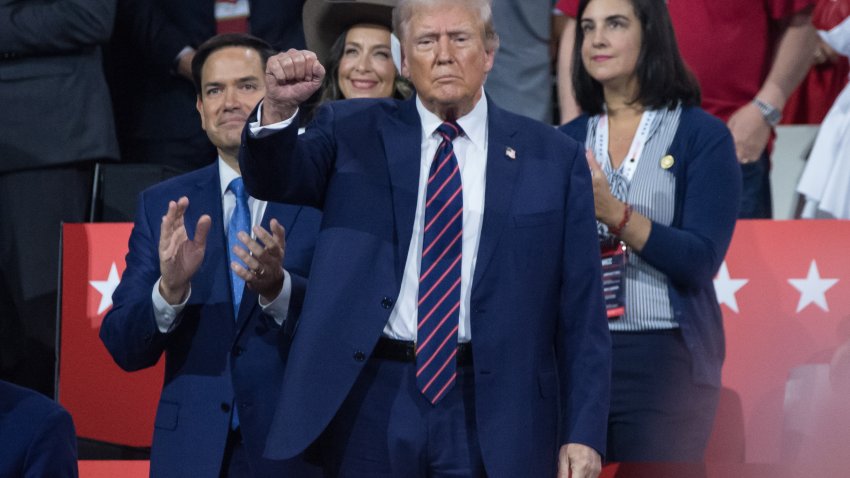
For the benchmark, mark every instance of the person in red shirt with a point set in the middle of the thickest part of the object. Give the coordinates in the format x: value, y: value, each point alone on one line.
x: 748, y: 58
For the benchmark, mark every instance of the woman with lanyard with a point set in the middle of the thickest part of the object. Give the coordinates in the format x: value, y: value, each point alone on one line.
x: 666, y: 187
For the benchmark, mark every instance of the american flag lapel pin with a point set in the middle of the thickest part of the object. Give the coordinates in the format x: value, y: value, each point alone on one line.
x: 510, y: 152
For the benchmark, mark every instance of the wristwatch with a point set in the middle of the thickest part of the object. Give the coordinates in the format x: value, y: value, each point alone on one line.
x: 769, y: 112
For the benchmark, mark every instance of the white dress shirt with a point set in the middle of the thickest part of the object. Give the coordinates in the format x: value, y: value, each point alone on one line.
x: 471, y: 152
x: 167, y: 315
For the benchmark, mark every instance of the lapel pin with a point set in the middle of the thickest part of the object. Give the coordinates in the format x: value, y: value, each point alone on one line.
x: 510, y: 152
x: 667, y: 162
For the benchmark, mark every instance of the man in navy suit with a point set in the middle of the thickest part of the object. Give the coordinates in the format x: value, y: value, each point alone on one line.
x: 522, y: 354
x: 180, y: 292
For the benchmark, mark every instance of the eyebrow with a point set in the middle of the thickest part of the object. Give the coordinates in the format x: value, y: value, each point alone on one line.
x: 244, y: 79
x: 360, y: 45
x: 617, y: 16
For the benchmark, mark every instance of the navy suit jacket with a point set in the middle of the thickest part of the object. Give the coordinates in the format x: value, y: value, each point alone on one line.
x: 536, y: 307
x: 213, y: 362
x: 37, y: 435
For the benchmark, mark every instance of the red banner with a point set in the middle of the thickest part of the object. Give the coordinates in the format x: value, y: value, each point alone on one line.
x: 785, y: 294
x: 106, y: 402
x: 784, y: 289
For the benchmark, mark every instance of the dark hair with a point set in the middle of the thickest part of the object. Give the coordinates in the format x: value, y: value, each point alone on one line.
x: 227, y: 40
x: 330, y: 85
x: 663, y: 79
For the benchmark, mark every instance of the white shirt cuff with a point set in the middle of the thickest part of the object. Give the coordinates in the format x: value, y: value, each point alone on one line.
x: 166, y: 315
x: 279, y: 307
x: 259, y: 131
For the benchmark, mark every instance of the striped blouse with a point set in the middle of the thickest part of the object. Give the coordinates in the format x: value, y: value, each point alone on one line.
x: 651, y: 192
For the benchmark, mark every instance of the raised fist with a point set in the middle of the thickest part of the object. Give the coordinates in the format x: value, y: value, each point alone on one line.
x: 291, y: 78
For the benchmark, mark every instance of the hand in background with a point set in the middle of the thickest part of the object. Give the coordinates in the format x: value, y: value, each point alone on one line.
x: 750, y: 132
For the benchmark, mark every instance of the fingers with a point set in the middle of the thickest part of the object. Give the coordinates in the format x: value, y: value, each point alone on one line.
x: 264, y: 253
x: 278, y: 236
x: 202, y: 229
x: 172, y: 231
x: 294, y: 66
x: 578, y: 461
x: 263, y: 260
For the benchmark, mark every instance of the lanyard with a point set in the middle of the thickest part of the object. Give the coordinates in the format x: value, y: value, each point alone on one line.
x: 600, y: 147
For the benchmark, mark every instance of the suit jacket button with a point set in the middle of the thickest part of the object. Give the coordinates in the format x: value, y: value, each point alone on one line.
x: 225, y: 407
x: 237, y: 351
x: 387, y: 303
x: 359, y: 356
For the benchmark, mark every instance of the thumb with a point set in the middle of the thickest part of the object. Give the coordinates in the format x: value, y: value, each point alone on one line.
x: 318, y: 71
x: 595, y: 170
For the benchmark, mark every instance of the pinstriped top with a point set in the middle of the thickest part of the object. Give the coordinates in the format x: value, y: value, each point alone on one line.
x: 651, y: 192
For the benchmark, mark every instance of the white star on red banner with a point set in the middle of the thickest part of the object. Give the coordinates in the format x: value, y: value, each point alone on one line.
x: 106, y: 288
x: 813, y: 288
x: 726, y: 287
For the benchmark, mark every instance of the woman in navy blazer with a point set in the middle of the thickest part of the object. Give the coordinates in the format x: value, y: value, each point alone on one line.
x: 666, y: 189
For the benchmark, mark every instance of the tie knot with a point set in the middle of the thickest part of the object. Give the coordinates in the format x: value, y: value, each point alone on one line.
x: 237, y: 187
x: 449, y: 130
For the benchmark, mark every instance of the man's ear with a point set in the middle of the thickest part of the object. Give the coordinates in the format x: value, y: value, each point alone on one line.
x: 199, y: 105
x: 405, y: 71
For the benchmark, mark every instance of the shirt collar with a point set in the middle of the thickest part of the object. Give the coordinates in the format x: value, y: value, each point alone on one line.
x: 226, y: 174
x: 474, y: 123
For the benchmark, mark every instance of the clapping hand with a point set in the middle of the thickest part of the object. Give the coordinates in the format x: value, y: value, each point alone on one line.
x: 264, y: 260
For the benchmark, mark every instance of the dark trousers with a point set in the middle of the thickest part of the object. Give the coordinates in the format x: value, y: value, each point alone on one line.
x: 235, y: 463
x: 33, y: 204
x: 756, y: 199
x: 657, y: 412
x: 386, y: 428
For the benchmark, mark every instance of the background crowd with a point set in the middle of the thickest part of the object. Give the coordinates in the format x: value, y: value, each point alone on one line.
x: 86, y: 82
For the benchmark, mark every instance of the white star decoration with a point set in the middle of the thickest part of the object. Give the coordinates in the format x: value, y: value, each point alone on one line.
x: 106, y: 288
x: 726, y: 287
x: 812, y: 288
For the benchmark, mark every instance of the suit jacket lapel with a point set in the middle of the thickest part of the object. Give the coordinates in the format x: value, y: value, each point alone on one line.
x: 402, y: 139
x: 502, y: 170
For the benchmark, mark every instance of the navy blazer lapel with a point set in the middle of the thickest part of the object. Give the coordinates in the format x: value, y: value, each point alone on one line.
x: 402, y: 139
x: 503, y: 159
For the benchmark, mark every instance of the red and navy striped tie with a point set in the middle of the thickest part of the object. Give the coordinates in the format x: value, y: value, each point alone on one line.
x: 439, y: 276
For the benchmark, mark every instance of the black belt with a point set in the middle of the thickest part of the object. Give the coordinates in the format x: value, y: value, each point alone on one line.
x: 405, y: 351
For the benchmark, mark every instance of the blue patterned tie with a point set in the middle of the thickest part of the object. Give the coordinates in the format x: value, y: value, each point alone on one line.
x: 439, y: 273
x: 240, y: 220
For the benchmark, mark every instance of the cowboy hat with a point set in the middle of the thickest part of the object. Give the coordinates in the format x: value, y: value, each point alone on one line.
x: 326, y: 20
